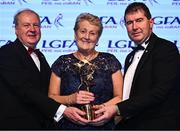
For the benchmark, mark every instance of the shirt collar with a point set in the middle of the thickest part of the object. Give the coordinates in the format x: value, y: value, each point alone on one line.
x: 145, y: 44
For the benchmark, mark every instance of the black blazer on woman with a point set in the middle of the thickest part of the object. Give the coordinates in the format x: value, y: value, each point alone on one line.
x: 153, y: 97
x: 23, y: 89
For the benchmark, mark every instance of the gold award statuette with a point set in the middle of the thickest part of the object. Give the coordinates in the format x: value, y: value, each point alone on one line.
x: 90, y: 115
x: 86, y: 71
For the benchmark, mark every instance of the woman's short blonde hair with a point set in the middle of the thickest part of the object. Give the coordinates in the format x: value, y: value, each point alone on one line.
x: 94, y: 20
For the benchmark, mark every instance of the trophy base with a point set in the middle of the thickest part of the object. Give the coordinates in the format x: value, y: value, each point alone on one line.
x: 90, y: 114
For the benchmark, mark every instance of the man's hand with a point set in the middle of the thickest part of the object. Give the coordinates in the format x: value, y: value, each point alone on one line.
x: 106, y: 114
x: 75, y: 115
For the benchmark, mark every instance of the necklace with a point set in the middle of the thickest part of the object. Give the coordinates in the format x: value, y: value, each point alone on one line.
x: 86, y: 58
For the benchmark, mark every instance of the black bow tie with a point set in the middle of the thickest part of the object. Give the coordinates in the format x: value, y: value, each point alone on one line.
x: 31, y: 50
x: 139, y: 47
x: 135, y: 49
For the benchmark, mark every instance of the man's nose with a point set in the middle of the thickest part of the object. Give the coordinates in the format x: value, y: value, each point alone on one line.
x: 134, y: 25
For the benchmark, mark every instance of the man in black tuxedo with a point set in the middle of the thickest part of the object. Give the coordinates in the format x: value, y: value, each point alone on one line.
x: 24, y: 80
x: 149, y: 91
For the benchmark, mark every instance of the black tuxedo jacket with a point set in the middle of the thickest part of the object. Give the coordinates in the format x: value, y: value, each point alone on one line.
x: 153, y: 97
x: 23, y: 89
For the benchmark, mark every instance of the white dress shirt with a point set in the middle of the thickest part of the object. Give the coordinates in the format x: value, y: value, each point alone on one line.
x: 59, y: 114
x: 35, y: 58
x: 128, y: 79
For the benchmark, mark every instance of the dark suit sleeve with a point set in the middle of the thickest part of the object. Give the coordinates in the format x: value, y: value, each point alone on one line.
x: 16, y: 77
x: 154, y: 84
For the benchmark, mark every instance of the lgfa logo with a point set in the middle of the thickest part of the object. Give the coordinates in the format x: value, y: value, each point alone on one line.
x: 55, y: 44
x: 176, y: 2
x: 46, y: 22
x: 13, y: 2
x: 66, y: 2
x: 122, y: 22
x: 57, y: 21
x: 87, y: 2
x: 172, y: 21
x: 22, y: 1
x: 153, y: 1
x: 126, y: 2
x: 7, y: 2
x: 109, y: 21
x: 167, y: 22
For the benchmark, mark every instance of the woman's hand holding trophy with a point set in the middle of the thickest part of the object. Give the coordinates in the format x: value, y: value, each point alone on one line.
x: 83, y: 96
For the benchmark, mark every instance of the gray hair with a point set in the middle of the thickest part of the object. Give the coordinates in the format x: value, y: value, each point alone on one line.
x: 16, y: 16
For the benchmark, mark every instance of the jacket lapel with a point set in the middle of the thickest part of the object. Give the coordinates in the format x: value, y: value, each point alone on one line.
x: 42, y: 60
x: 26, y: 58
x: 141, y: 62
x: 144, y: 58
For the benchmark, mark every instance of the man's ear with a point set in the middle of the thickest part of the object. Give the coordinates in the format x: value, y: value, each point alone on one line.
x: 151, y: 22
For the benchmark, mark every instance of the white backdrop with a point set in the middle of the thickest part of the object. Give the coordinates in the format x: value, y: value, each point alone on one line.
x: 58, y: 18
